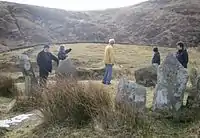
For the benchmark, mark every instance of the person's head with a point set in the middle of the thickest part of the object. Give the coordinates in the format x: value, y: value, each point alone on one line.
x: 46, y: 48
x: 180, y: 45
x: 111, y: 42
x: 62, y: 48
x: 155, y: 49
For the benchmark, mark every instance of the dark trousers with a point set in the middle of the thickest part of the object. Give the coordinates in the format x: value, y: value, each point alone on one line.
x: 43, y: 77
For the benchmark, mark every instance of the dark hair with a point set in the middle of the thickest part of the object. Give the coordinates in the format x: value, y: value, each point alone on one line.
x: 155, y: 49
x: 46, y: 46
x: 181, y: 44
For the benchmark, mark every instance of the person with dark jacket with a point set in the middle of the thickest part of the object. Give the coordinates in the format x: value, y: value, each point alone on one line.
x: 44, y: 61
x: 62, y: 54
x: 182, y: 54
x: 156, y: 56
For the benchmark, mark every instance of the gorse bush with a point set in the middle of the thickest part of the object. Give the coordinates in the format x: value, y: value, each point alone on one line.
x: 69, y: 100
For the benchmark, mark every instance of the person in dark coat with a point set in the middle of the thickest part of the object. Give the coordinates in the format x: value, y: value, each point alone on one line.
x: 44, y: 61
x: 62, y: 54
x: 156, y: 56
x: 182, y: 54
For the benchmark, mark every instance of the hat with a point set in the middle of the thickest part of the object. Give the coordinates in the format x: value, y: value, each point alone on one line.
x: 46, y: 46
x: 111, y: 41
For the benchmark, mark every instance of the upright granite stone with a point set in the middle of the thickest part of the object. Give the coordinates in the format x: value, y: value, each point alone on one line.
x: 171, y: 84
x: 29, y: 75
x: 132, y: 94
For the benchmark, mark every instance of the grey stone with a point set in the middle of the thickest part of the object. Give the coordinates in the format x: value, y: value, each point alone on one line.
x: 147, y: 76
x: 6, y: 107
x: 131, y: 93
x: 66, y: 67
x: 171, y: 84
x: 22, y: 123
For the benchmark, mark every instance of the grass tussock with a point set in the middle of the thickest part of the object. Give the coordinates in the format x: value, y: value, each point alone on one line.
x: 73, y: 101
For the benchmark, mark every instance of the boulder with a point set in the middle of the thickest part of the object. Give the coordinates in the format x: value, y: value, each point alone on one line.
x: 171, y: 84
x: 130, y: 93
x: 66, y: 68
x: 147, y: 76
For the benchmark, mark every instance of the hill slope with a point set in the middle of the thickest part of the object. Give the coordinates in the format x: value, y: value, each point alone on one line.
x: 156, y: 22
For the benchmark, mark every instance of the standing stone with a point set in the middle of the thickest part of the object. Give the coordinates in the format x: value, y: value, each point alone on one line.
x: 172, y: 80
x: 132, y: 94
x: 66, y: 68
x: 27, y: 70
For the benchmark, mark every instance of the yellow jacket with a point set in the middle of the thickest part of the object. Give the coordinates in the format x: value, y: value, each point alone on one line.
x: 109, y: 55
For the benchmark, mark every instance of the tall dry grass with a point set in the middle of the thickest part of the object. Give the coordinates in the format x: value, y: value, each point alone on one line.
x: 89, y: 103
x: 69, y: 100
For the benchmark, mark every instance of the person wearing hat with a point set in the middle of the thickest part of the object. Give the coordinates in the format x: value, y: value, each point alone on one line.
x: 156, y: 56
x: 44, y: 61
x: 109, y: 62
x: 182, y: 54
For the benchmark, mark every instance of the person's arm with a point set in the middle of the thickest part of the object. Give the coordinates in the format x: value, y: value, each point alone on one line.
x: 68, y: 50
x: 158, y: 59
x: 186, y: 57
x: 55, y: 59
x: 153, y: 59
x: 111, y: 53
x: 39, y: 59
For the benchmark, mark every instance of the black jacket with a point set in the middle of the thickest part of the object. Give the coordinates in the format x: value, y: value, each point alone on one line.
x: 63, y: 54
x: 156, y: 58
x: 182, y: 56
x: 44, y: 61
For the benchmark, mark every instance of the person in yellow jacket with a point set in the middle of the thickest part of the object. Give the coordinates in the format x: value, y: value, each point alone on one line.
x: 109, y: 62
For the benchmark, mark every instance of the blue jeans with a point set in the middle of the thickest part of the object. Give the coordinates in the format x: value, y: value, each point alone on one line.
x: 108, y: 74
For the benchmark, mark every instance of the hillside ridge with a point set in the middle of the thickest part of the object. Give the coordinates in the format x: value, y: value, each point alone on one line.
x: 155, y: 22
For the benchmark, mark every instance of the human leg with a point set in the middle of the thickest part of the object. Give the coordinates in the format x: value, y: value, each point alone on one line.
x: 105, y: 74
